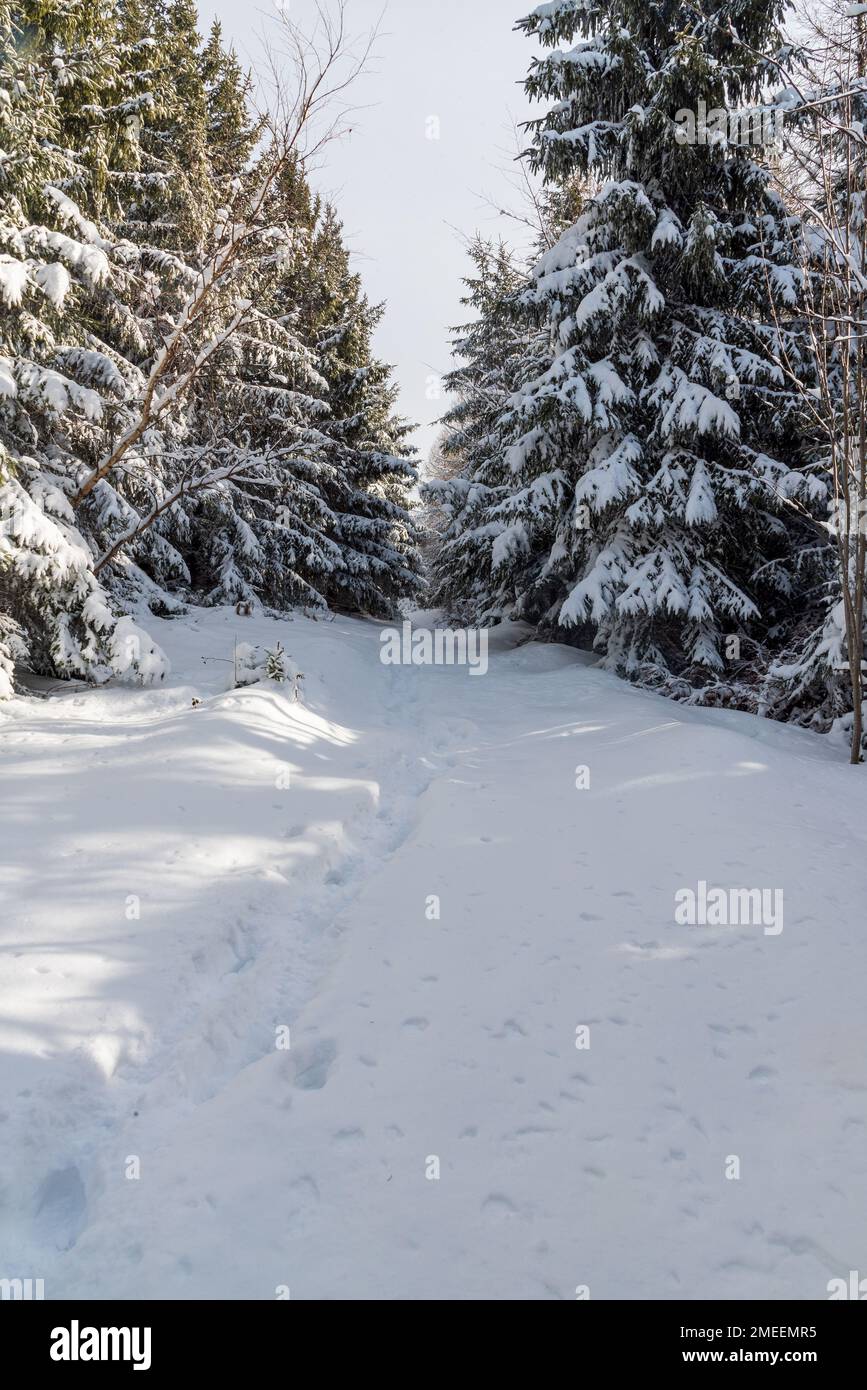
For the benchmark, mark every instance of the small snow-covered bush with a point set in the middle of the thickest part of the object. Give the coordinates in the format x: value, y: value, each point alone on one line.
x: 277, y: 664
x: 254, y: 664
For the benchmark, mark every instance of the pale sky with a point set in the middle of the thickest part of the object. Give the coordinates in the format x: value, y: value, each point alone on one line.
x: 447, y: 68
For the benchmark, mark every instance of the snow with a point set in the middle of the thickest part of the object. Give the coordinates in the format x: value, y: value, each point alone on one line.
x: 54, y: 392
x: 13, y: 281
x: 191, y: 870
x: 701, y: 506
x: 512, y: 541
x: 8, y: 384
x: 668, y: 231
x: 134, y: 656
x: 691, y: 406
x: 614, y: 477
x: 53, y: 280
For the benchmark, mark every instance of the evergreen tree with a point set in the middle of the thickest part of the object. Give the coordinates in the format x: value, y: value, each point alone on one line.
x: 231, y: 132
x: 372, y: 467
x: 75, y: 45
x: 266, y: 531
x: 493, y: 351
x: 820, y: 677
x: 177, y: 201
x: 62, y: 387
x: 278, y: 468
x: 653, y: 448
x: 320, y: 516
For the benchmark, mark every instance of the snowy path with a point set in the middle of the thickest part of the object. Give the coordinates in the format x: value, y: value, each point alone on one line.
x: 171, y: 902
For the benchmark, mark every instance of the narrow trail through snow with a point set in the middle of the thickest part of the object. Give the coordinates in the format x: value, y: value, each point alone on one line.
x: 182, y: 883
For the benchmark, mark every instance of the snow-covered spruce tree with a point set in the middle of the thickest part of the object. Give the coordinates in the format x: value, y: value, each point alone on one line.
x: 141, y: 514
x: 190, y: 504
x: 265, y: 529
x: 643, y: 499
x: 323, y: 520
x: 819, y: 678
x: 371, y: 465
x: 59, y: 389
x: 259, y: 527
x: 75, y: 44
x: 289, y: 511
x: 493, y: 350
x: 231, y: 129
x: 305, y: 495
x: 93, y: 56
x: 178, y: 428
x: 176, y: 197
x: 437, y: 468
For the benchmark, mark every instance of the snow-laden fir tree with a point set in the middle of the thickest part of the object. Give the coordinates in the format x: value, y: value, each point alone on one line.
x: 494, y: 354
x: 232, y: 130
x: 102, y: 104
x: 313, y: 507
x: 819, y: 678
x: 265, y: 530
x: 177, y: 198
x: 371, y: 466
x: 653, y: 451
x: 143, y: 514
x: 292, y: 510
x: 170, y: 430
x: 60, y: 387
x: 98, y: 96
x: 324, y: 518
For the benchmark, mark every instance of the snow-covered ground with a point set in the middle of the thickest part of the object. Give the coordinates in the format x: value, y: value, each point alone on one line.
x: 182, y: 883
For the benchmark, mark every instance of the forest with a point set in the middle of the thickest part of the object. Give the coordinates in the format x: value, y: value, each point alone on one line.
x: 432, y: 848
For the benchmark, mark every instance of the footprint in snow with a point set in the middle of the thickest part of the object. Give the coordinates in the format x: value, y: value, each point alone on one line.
x: 498, y: 1205
x: 762, y: 1074
x: 61, y: 1208
x: 313, y: 1062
